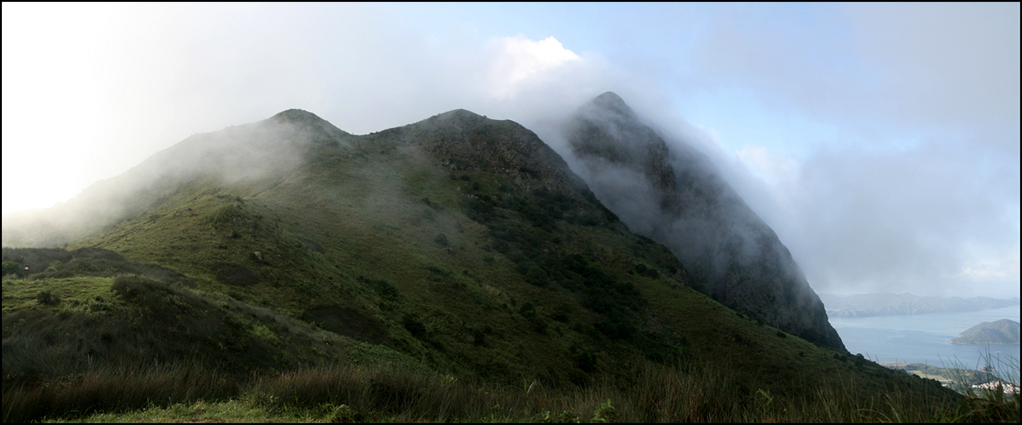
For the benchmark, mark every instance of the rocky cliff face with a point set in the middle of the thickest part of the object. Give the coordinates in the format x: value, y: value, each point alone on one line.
x: 678, y: 198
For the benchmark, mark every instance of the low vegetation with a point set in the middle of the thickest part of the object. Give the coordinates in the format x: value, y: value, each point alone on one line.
x: 338, y: 379
x: 339, y: 393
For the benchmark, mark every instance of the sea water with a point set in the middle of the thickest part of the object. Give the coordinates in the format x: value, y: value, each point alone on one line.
x: 925, y: 338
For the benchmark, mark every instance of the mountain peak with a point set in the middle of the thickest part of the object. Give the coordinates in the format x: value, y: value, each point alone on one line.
x: 297, y: 115
x: 598, y: 127
x: 611, y: 102
x: 459, y: 114
x: 610, y: 98
x: 318, y: 129
x: 677, y: 197
x: 302, y: 117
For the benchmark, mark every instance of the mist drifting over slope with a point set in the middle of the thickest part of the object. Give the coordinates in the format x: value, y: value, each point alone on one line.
x: 257, y: 156
x: 674, y: 195
x: 880, y: 141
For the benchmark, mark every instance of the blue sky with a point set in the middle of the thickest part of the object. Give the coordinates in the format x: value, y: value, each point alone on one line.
x: 880, y: 141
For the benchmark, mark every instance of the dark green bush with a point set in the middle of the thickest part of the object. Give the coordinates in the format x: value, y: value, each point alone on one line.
x: 479, y: 337
x: 501, y: 246
x: 82, y: 265
x: 384, y: 289
x: 585, y: 361
x: 47, y: 298
x: 528, y: 311
x: 223, y: 214
x: 479, y: 209
x: 575, y: 263
x: 616, y: 327
x: 649, y: 272
x: 414, y: 326
x: 11, y: 268
x: 562, y: 313
x: 441, y: 240
x: 537, y: 276
x: 430, y: 204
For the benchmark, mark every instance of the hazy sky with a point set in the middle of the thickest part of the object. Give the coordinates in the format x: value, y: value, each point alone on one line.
x: 880, y: 141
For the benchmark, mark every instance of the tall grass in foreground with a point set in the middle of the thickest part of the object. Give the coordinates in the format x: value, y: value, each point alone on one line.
x: 1000, y: 400
x: 344, y: 393
x: 111, y: 389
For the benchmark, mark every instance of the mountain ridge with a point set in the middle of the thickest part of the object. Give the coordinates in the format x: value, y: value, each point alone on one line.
x: 449, y: 203
x: 403, y: 219
x: 678, y: 198
x: 889, y: 304
x: 250, y: 154
x: 458, y: 244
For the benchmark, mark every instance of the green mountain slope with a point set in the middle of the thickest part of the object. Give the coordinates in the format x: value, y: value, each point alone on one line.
x: 393, y: 243
x: 461, y: 242
x: 248, y: 157
x: 1002, y: 331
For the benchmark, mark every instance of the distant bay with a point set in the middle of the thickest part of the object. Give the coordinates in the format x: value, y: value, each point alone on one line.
x: 924, y: 338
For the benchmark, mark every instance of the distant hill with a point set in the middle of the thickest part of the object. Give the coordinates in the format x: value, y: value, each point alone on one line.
x: 956, y: 377
x: 1002, y: 331
x: 887, y: 304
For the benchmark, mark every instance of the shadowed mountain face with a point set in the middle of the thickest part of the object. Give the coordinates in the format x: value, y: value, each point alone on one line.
x: 678, y: 198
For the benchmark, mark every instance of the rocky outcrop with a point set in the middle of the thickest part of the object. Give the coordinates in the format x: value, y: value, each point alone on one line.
x: 461, y: 140
x: 677, y: 197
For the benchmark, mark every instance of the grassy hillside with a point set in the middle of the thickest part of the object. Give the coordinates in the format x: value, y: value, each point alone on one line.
x: 214, y: 359
x: 1002, y: 331
x: 455, y: 262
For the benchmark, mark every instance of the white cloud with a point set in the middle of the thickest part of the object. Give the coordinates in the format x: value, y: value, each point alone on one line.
x: 992, y: 267
x: 769, y: 166
x: 519, y: 58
